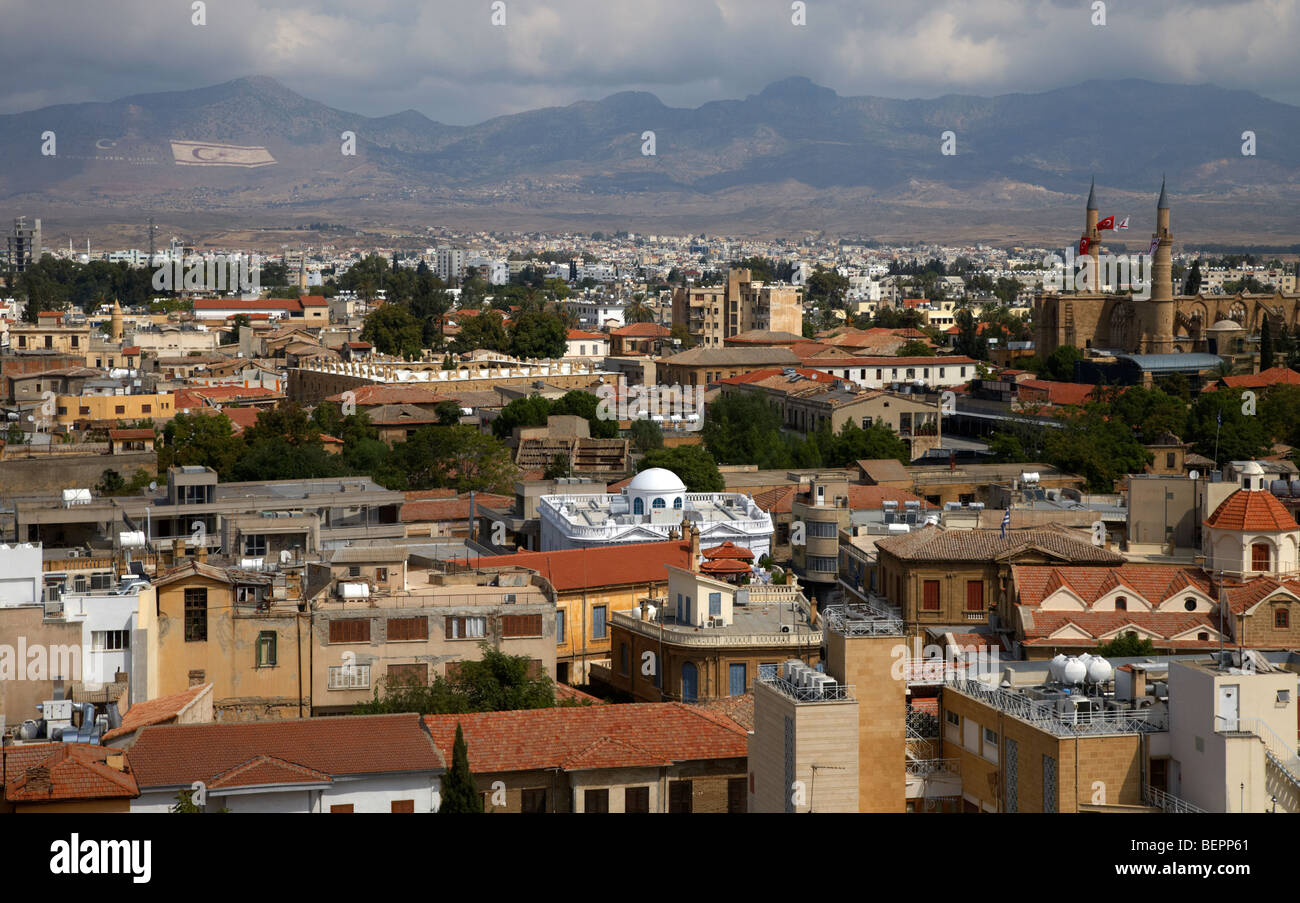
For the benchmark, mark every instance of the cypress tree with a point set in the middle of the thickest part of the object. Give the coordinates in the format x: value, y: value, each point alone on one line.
x: 1266, y: 343
x: 458, y: 791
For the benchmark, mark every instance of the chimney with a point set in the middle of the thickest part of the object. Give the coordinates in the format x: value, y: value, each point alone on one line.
x: 201, y: 553
x: 38, y: 779
x: 178, y: 550
x: 695, y: 546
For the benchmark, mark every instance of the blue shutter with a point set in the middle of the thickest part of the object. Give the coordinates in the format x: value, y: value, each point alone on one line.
x: 598, y: 622
x: 715, y: 604
x: 736, y: 679
x: 559, y: 627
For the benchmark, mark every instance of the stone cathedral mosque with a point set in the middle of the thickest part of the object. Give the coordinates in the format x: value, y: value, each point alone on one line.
x: 1165, y: 323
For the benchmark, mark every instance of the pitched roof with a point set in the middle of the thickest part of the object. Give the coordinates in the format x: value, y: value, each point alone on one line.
x: 1273, y: 376
x: 1156, y: 583
x: 157, y: 711
x: 579, y: 738
x: 1101, y: 626
x: 1054, y: 392
x: 262, y: 770
x: 756, y: 356
x: 642, y: 331
x: 175, y: 755
x: 574, y: 569
x: 375, y: 395
x: 939, y: 544
x: 1245, y: 510
x: 44, y: 772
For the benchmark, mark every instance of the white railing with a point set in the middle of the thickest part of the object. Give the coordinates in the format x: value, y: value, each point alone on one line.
x: 1166, y: 802
x: 827, y: 693
x: 924, y: 768
x: 1044, y: 715
x: 861, y: 621
x: 1282, y: 753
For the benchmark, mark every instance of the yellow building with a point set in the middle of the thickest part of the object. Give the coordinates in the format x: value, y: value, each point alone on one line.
x: 110, y: 409
x: 238, y: 630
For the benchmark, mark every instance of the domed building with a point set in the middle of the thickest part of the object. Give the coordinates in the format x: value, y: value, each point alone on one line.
x: 652, y: 506
x: 1251, y: 534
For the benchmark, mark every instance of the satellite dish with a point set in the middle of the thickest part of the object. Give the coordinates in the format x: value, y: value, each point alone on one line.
x: 153, y: 484
x: 1194, y: 475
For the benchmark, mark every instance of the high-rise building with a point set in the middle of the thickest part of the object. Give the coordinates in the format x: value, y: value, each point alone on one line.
x: 24, y: 244
x: 712, y: 314
x: 450, y: 264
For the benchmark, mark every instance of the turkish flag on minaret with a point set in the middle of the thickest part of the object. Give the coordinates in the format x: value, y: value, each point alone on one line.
x: 1084, y: 244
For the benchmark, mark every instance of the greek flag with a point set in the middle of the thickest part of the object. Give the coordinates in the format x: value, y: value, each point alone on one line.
x: 1219, y: 418
x: 1006, y: 522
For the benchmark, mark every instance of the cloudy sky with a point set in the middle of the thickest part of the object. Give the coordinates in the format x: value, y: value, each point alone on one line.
x: 446, y: 59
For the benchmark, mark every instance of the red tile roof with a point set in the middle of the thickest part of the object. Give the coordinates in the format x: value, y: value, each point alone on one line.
x: 574, y: 569
x: 642, y: 331
x: 46, y: 772
x: 176, y: 755
x: 452, y: 509
x: 1053, y: 392
x: 130, y: 434
x: 156, y: 711
x: 263, y: 770
x: 1274, y: 376
x: 1155, y: 583
x: 1253, y: 512
x: 1103, y: 626
x: 950, y: 360
x: 376, y: 395
x: 589, y: 737
x: 579, y: 334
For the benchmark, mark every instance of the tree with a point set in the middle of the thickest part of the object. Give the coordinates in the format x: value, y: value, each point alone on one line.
x: 916, y: 348
x: 392, y: 329
x: 459, y: 793
x: 1149, y: 412
x: 692, y: 464
x: 1240, y: 438
x: 531, y: 410
x: 1193, y: 284
x: 497, y: 682
x: 203, y: 440
x: 447, y: 412
x: 969, y: 341
x: 484, y: 330
x: 1096, y: 446
x: 586, y: 405
x: 559, y: 467
x: 450, y: 457
x: 877, y: 442
x: 645, y: 435
x: 537, y: 335
x: 1126, y: 646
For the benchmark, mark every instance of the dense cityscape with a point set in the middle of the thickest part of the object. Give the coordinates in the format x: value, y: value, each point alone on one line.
x: 301, y: 513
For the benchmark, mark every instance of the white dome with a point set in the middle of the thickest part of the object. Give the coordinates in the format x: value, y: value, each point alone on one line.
x: 1251, y: 468
x: 656, y: 479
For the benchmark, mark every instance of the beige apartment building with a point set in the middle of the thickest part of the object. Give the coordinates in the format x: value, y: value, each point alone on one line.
x: 370, y: 631
x: 712, y: 314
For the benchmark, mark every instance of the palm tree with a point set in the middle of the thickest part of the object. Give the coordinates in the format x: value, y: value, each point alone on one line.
x: 638, y: 311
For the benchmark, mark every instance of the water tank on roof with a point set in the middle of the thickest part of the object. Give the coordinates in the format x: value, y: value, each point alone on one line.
x: 354, y: 590
x: 1074, y: 671
x: 1099, y: 670
x: 1056, y: 668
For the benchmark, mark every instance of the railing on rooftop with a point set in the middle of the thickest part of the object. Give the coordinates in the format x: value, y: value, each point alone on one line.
x: 1045, y: 716
x: 861, y: 620
x: 837, y: 692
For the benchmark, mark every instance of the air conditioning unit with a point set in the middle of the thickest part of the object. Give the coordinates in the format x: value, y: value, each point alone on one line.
x: 510, y: 598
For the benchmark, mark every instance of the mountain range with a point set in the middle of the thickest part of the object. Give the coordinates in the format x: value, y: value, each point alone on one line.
x: 794, y: 157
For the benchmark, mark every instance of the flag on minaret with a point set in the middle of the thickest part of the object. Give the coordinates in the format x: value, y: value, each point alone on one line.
x: 1107, y: 223
x: 1084, y: 244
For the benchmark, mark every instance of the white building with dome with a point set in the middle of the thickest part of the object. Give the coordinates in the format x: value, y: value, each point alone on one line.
x: 648, y: 509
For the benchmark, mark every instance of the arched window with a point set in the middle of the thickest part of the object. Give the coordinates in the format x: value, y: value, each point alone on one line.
x: 690, y: 682
x: 638, y: 506
x: 1260, y: 557
x: 677, y: 502
x: 1121, y: 603
x: 658, y: 503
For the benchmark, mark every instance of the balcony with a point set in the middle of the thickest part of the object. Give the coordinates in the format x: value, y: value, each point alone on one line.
x: 832, y: 692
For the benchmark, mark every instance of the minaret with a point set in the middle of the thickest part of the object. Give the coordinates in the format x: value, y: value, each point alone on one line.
x: 115, y: 322
x: 1161, y: 305
x: 1094, y: 246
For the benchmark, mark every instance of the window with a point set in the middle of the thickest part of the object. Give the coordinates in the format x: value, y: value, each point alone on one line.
x: 1121, y: 603
x: 533, y: 800
x: 403, y: 806
x: 119, y: 409
x: 341, y: 807
x: 255, y: 546
x: 638, y: 506
x: 465, y: 628
x: 1203, y: 636
x: 598, y: 622
x: 974, y: 595
x: 349, y: 677
x: 658, y: 503
x: 110, y: 640
x: 715, y: 604
x: 990, y: 736
x: 1281, y: 619
x: 350, y: 630
x: 952, y: 718
x: 521, y: 625
x: 85, y: 410
x: 266, y: 649
x: 636, y: 800
x: 677, y: 502
x: 196, y: 615
x: 146, y: 409
x: 1169, y: 460
x: 930, y: 597
x: 246, y: 595
x: 354, y: 570
x: 409, y: 675
x: 381, y: 575
x: 1189, y: 604
x: 407, y: 629
x: 1259, y: 557
x: 680, y: 797
x: 559, y: 627
x: 737, y: 683
x: 596, y: 801
x: 737, y: 796
x: 62, y: 410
